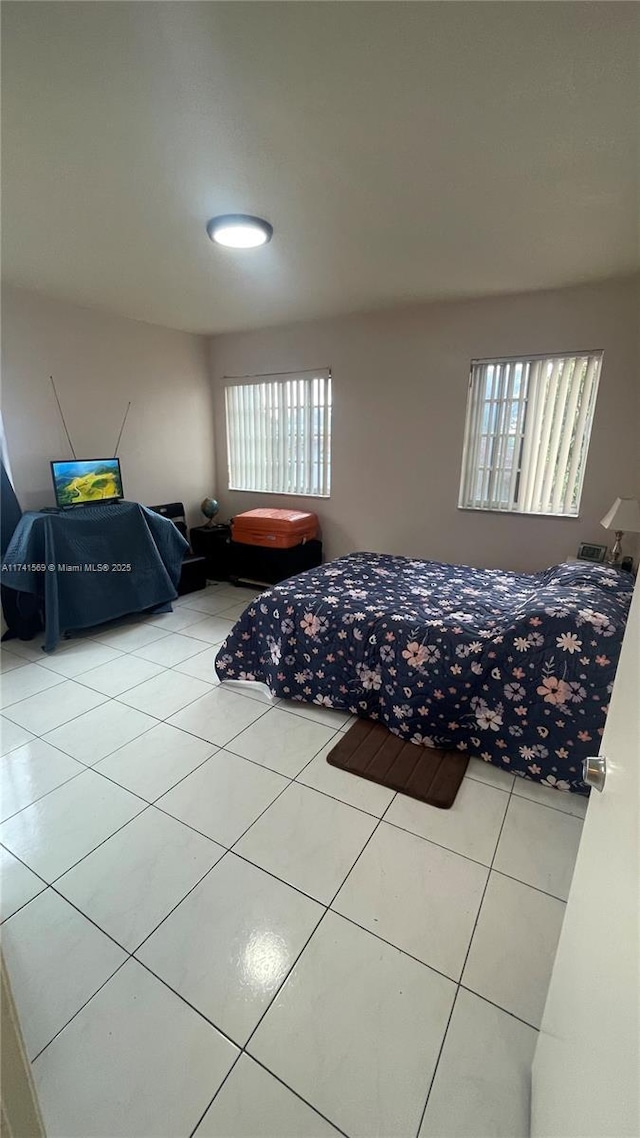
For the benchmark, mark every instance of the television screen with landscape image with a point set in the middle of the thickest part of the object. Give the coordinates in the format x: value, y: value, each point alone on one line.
x: 92, y: 480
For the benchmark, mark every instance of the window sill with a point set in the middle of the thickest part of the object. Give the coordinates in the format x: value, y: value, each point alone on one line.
x: 277, y: 493
x: 519, y: 513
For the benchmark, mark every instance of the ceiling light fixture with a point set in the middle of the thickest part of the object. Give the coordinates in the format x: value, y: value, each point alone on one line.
x: 239, y: 230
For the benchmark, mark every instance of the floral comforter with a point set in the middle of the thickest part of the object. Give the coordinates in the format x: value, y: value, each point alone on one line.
x: 513, y: 668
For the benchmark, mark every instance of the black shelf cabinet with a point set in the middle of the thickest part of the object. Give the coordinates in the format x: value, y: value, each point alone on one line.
x: 269, y: 566
x: 212, y: 543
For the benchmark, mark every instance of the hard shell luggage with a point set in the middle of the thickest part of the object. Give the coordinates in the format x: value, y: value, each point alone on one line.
x: 274, y: 529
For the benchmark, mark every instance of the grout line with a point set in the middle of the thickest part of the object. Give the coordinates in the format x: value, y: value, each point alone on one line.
x: 297, y: 1094
x: 285, y: 979
x: 437, y: 1062
x: 549, y: 805
x: 154, y: 930
x: 243, y: 1049
x: 76, y: 1013
x: 528, y: 885
x: 472, y: 992
x: 211, y: 1101
x: 103, y: 699
x: 327, y: 908
x: 434, y: 843
x: 464, y: 964
x: 46, y: 793
x: 145, y: 806
x: 154, y: 803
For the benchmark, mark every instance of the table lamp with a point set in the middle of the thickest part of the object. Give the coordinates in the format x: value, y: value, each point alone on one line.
x: 623, y: 517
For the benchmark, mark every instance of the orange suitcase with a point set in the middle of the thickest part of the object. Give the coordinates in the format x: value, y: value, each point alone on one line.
x: 278, y: 529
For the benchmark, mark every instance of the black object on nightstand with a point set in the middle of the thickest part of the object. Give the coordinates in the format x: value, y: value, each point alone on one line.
x: 212, y: 543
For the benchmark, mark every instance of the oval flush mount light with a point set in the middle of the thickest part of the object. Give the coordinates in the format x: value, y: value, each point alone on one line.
x: 239, y: 230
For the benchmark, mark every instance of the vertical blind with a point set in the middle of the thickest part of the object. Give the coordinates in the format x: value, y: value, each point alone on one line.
x: 279, y: 434
x: 527, y: 433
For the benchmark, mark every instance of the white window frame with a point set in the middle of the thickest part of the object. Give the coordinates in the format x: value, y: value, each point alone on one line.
x: 279, y: 433
x: 527, y: 433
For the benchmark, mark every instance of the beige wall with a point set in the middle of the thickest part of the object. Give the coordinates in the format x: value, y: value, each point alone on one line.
x: 99, y: 363
x: 400, y: 386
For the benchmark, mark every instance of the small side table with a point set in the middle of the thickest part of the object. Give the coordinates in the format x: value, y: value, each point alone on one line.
x: 212, y: 543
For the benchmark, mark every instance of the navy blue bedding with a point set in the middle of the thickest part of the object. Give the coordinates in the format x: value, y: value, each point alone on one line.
x: 513, y: 668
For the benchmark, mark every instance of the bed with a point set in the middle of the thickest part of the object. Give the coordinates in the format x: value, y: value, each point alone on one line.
x: 515, y: 669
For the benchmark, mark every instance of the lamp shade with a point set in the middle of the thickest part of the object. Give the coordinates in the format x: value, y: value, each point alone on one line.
x: 624, y: 515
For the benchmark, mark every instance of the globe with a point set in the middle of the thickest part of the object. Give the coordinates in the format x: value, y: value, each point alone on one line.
x: 209, y: 508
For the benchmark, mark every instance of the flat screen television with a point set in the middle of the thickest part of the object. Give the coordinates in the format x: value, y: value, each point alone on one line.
x: 86, y: 482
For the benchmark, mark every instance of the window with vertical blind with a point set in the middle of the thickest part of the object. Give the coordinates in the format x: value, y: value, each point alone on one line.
x: 527, y: 433
x: 279, y: 434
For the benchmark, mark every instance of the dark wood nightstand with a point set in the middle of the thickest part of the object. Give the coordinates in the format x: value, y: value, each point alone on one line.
x: 212, y: 543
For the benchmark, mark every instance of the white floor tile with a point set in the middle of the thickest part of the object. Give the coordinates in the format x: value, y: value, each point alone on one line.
x: 130, y: 882
x: 223, y: 796
x: 8, y: 661
x: 50, y: 709
x: 156, y: 761
x: 251, y: 925
x: 482, y: 1085
x: 487, y: 773
x: 574, y: 804
x: 56, y: 960
x: 97, y: 733
x: 235, y: 610
x: 165, y: 694
x: 514, y: 946
x: 327, y: 716
x: 285, y: 743
x: 349, y: 788
x: 31, y: 650
x: 30, y: 772
x: 210, y: 602
x: 539, y: 846
x: 129, y: 636
x: 117, y: 677
x: 252, y: 1104
x: 59, y: 829
x: 201, y: 666
x: 211, y: 630
x: 309, y: 840
x: 175, y: 621
x: 421, y: 898
x: 22, y: 682
x: 135, y: 1061
x: 218, y: 716
x: 470, y: 827
x: 73, y: 658
x: 356, y: 1031
x: 12, y: 736
x: 172, y: 649
x: 19, y: 884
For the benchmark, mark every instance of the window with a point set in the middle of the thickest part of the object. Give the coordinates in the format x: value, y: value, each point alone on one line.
x: 527, y: 433
x: 279, y: 435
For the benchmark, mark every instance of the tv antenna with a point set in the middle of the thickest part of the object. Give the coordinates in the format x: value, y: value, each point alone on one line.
x: 64, y: 424
x: 115, y: 453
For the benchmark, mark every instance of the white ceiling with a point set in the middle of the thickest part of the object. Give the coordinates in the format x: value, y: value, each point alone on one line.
x: 402, y: 151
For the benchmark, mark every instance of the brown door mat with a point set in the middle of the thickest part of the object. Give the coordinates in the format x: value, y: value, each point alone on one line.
x: 370, y: 750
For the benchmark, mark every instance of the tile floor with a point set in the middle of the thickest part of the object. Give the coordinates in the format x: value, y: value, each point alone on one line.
x: 211, y: 931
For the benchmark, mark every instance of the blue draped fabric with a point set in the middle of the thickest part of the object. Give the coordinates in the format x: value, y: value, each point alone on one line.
x: 95, y: 563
